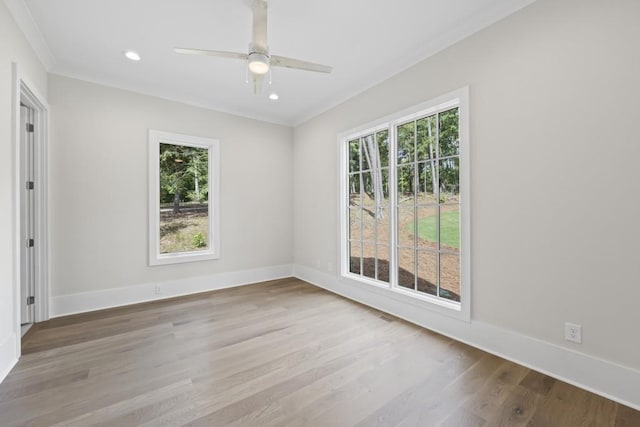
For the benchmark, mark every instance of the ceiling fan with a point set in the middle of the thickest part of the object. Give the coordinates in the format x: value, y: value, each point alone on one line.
x: 259, y: 60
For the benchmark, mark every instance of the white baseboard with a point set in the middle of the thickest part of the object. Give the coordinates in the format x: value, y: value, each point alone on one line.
x: 8, y: 358
x: 608, y: 379
x: 63, y: 305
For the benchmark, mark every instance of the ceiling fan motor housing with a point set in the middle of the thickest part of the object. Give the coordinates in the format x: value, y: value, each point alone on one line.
x: 258, y: 62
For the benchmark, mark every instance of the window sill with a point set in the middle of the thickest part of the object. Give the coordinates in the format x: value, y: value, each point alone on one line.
x: 452, y: 309
x: 177, y: 258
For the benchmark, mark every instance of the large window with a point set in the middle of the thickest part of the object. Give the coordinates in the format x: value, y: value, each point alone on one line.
x: 405, y: 202
x: 183, y: 177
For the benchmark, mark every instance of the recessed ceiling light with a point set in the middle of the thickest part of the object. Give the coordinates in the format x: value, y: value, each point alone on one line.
x: 274, y: 97
x: 132, y: 55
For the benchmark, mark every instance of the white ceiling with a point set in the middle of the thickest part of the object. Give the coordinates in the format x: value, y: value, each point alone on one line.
x: 366, y: 41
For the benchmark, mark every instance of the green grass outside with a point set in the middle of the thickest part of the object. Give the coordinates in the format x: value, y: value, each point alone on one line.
x: 449, y: 229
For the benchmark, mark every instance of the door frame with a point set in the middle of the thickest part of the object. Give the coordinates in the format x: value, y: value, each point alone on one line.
x: 25, y: 92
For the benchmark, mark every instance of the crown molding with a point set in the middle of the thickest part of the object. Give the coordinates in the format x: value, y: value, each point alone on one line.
x: 455, y: 34
x: 22, y: 15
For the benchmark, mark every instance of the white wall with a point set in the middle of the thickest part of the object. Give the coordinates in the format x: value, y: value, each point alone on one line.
x: 13, y: 48
x: 99, y: 174
x: 555, y: 98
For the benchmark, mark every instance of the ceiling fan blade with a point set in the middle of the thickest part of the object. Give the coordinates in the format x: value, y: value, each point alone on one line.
x: 282, y: 61
x: 257, y: 82
x: 216, y: 53
x: 259, y: 39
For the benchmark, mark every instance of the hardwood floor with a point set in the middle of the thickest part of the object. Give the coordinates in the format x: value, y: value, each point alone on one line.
x: 281, y: 353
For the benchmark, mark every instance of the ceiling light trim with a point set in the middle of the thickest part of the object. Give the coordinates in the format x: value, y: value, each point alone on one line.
x: 132, y: 55
x: 24, y: 19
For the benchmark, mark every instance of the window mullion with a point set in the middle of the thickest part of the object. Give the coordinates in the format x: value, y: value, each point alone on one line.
x: 415, y: 205
x: 437, y: 178
x: 361, y: 209
x: 374, y: 173
x: 393, y: 205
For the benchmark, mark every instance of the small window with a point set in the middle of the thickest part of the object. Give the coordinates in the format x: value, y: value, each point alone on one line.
x: 405, y: 203
x: 183, y: 199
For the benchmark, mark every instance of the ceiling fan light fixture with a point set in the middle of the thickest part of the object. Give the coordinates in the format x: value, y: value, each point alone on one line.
x: 258, y: 63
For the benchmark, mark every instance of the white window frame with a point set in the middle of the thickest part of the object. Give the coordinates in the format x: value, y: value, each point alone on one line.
x: 157, y: 137
x: 460, y: 98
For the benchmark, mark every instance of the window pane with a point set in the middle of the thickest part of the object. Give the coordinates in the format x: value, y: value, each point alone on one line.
x: 405, y: 184
x: 369, y: 260
x: 427, y: 227
x: 449, y: 175
x: 383, y: 226
x: 383, y: 263
x: 406, y: 143
x: 450, y: 277
x: 354, y: 223
x: 384, y: 176
x: 383, y: 147
x: 354, y: 155
x: 406, y: 226
x: 426, y: 138
x: 450, y: 227
x: 366, y: 143
x: 427, y: 272
x: 406, y: 276
x: 354, y: 257
x: 376, y: 186
x: 368, y: 196
x: 354, y: 190
x: 184, y: 198
x: 449, y: 142
x: 427, y: 185
x: 369, y: 224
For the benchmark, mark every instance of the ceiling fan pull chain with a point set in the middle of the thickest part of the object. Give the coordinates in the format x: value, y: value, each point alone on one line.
x: 270, y: 75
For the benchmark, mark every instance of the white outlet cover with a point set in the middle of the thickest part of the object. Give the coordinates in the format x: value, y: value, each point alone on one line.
x: 573, y: 332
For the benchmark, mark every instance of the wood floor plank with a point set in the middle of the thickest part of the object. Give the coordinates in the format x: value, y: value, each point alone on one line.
x: 517, y: 410
x: 627, y: 417
x: 281, y: 353
x: 463, y: 417
x: 496, y: 390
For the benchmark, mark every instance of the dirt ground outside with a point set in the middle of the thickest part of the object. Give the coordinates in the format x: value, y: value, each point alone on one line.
x: 426, y: 254
x: 185, y: 231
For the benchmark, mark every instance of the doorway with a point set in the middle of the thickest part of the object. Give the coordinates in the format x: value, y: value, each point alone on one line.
x: 30, y: 200
x: 28, y: 230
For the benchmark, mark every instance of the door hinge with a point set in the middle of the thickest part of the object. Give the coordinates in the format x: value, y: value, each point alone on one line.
x: 31, y: 300
x: 29, y: 127
x: 31, y: 243
x: 30, y: 185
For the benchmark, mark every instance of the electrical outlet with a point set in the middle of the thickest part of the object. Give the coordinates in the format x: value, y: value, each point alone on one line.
x: 158, y: 290
x: 573, y: 332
